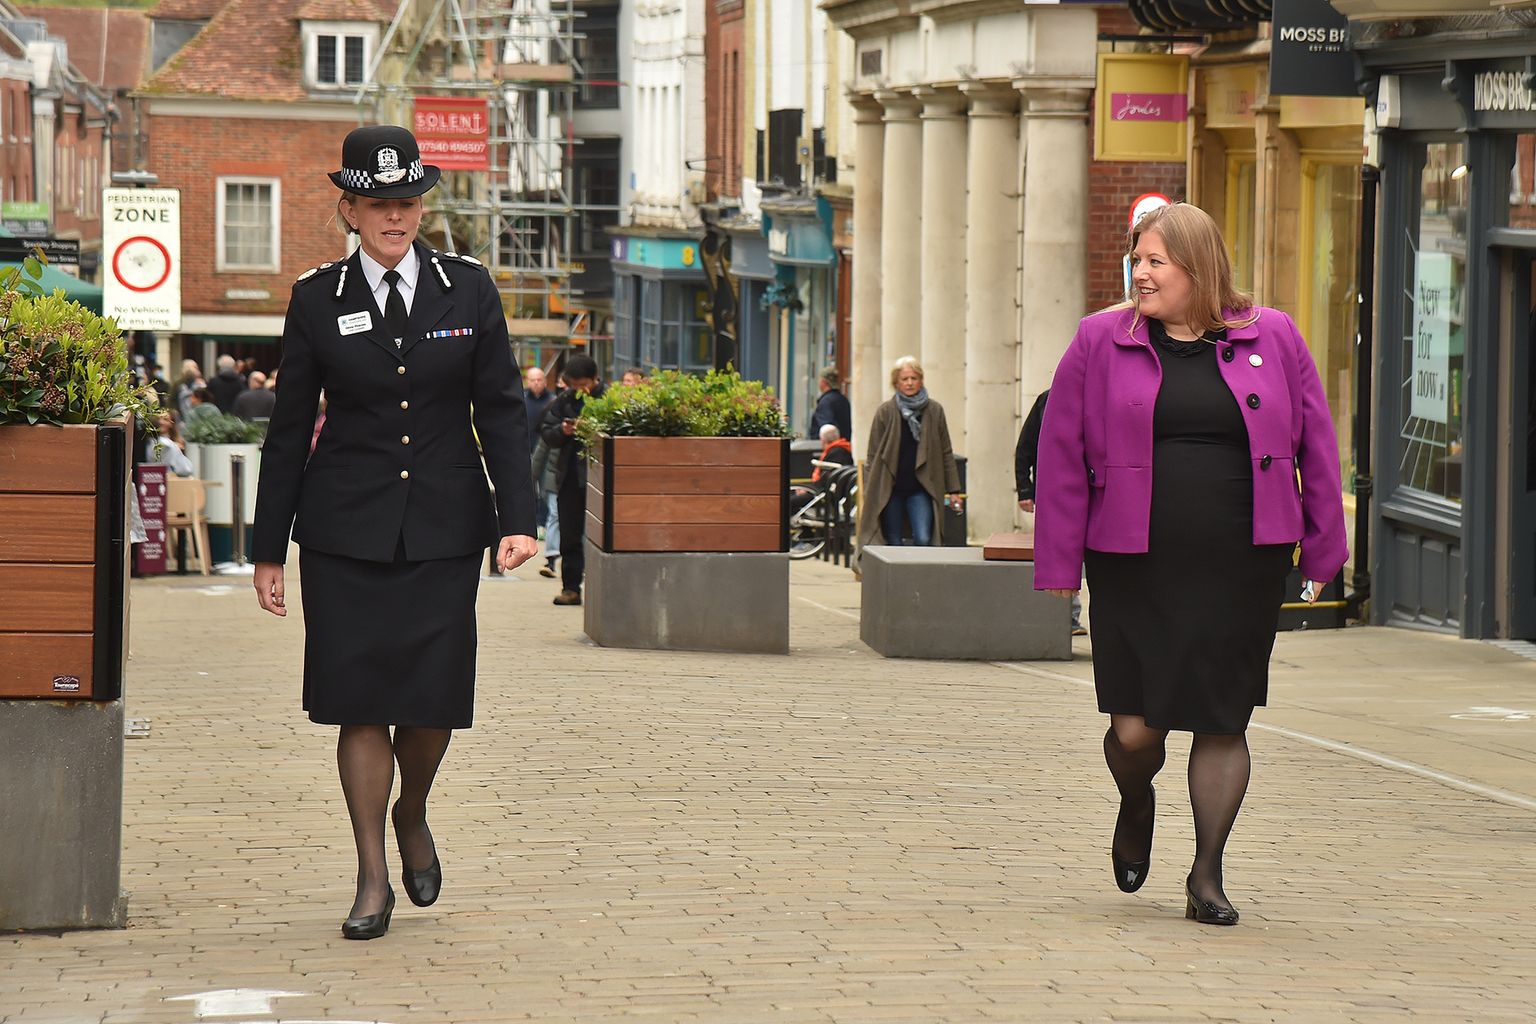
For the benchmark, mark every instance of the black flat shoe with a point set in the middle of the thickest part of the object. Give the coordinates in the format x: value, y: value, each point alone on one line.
x: 371, y: 926
x: 1197, y: 909
x: 424, y: 886
x: 1130, y: 875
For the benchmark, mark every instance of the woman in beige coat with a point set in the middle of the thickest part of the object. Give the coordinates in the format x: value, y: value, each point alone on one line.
x: 911, y: 466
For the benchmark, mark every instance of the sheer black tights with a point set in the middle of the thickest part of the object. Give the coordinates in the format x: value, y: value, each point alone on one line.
x: 1218, y: 781
x: 365, y: 757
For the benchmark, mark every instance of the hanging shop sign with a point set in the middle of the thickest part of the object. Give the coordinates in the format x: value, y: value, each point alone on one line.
x: 454, y: 132
x: 1431, y: 337
x: 1309, y: 51
x: 1142, y: 103
x: 141, y: 247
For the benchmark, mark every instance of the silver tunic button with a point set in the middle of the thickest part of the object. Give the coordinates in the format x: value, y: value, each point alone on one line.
x: 405, y: 474
x: 405, y: 405
x: 405, y: 439
x: 399, y: 369
x: 1256, y: 360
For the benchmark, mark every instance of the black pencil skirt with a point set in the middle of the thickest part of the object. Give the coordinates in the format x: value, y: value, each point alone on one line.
x: 389, y: 643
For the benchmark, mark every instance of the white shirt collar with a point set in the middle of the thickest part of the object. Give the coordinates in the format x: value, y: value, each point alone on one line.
x: 409, y: 267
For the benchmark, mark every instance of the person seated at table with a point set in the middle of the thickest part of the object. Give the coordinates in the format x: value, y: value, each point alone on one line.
x: 166, y: 446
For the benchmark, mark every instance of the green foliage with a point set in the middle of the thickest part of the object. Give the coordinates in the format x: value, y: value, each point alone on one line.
x: 222, y: 428
x: 675, y: 404
x: 59, y: 362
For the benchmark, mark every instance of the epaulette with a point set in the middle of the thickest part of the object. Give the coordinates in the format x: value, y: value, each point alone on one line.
x: 312, y: 271
x: 461, y: 257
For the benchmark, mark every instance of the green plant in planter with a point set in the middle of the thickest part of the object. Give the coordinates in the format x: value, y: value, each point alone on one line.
x: 222, y: 428
x: 674, y: 404
x: 59, y: 362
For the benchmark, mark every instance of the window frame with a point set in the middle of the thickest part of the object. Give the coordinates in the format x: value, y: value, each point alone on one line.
x: 222, y: 263
x: 341, y: 31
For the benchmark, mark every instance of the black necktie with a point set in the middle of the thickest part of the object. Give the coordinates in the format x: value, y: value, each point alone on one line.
x: 394, y: 307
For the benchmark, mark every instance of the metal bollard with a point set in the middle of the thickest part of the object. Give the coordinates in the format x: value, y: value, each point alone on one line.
x: 237, y: 512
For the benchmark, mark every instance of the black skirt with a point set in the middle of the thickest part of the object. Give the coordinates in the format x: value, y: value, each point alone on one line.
x: 1182, y: 634
x: 389, y: 643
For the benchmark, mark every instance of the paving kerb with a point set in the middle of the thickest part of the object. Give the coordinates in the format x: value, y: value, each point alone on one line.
x: 825, y: 836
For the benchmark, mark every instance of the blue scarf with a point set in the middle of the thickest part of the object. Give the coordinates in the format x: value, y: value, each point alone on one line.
x: 912, y: 411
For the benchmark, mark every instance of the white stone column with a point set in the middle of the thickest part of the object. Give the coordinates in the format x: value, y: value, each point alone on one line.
x: 867, y: 388
x: 942, y: 319
x: 991, y: 308
x: 1053, y: 285
x: 900, y: 228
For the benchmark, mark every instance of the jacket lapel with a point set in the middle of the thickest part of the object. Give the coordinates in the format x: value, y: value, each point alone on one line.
x: 432, y: 303
x: 356, y: 297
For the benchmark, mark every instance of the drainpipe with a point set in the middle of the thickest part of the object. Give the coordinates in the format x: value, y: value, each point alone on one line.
x: 1360, y: 581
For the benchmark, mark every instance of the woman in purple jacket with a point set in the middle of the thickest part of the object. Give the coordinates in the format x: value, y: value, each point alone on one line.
x: 1169, y: 462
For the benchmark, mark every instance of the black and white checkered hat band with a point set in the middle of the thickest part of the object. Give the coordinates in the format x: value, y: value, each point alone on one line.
x: 355, y: 179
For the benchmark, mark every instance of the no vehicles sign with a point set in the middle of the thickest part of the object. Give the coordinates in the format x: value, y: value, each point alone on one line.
x: 141, y: 247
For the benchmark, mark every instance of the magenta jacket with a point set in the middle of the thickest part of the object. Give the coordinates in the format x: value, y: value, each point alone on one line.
x: 1094, y: 477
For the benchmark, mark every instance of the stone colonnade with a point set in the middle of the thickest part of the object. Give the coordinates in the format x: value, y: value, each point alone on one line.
x: 970, y: 252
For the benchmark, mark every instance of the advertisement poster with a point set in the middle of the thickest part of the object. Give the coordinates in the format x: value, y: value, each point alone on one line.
x: 454, y: 132
x: 1431, y: 366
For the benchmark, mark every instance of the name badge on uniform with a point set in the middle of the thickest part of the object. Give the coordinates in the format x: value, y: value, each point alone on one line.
x: 355, y: 323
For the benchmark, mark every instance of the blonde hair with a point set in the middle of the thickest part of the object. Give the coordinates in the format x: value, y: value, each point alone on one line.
x: 1194, y: 244
x: 905, y: 363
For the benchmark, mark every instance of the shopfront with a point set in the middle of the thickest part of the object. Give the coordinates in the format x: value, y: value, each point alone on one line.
x: 802, y: 303
x: 660, y: 302
x: 1456, y: 306
x: 757, y: 343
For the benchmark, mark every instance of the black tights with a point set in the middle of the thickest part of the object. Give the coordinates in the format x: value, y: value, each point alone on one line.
x: 1218, y: 781
x: 366, y: 758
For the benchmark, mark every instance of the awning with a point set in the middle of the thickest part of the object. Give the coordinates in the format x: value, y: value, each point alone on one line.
x: 1203, y: 15
x: 83, y: 292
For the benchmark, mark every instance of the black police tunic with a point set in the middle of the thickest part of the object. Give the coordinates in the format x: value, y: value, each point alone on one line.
x: 392, y: 510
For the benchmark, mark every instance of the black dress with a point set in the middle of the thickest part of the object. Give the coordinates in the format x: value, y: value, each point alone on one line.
x: 1183, y: 633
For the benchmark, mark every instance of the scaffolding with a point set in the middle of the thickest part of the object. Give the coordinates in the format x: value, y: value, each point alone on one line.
x: 517, y: 215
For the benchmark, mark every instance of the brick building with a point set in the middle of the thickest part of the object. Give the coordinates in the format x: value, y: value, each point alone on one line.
x: 249, y: 101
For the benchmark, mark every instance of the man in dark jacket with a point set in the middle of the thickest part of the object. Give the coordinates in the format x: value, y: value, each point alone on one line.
x: 536, y: 398
x: 1026, y: 455
x: 227, y: 385
x: 257, y: 401
x: 558, y: 428
x: 832, y: 407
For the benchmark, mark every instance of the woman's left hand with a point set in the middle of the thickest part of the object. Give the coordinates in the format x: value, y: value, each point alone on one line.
x: 516, y: 550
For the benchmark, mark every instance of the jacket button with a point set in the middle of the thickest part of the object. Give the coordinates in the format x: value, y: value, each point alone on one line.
x: 1253, y: 401
x: 400, y: 369
x: 405, y: 405
x: 1265, y: 461
x: 405, y: 439
x: 405, y: 474
x: 1090, y: 474
x: 1226, y: 354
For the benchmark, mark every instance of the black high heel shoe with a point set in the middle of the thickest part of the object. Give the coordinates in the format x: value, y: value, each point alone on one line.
x: 1197, y: 909
x: 373, y: 925
x: 1130, y: 875
x: 424, y: 886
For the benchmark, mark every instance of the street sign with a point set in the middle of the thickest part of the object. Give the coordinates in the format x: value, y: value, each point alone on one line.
x: 57, y: 250
x: 1145, y: 204
x: 141, y: 247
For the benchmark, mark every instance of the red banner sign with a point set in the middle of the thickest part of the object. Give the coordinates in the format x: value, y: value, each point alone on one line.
x: 454, y: 132
x: 150, y: 554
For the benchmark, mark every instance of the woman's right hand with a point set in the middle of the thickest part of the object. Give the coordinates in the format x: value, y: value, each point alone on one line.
x: 269, y: 588
x: 1063, y: 594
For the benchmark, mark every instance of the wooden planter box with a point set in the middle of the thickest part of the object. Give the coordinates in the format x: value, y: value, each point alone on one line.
x: 63, y: 560
x: 689, y: 494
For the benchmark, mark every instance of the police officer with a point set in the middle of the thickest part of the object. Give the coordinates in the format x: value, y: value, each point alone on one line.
x: 392, y: 510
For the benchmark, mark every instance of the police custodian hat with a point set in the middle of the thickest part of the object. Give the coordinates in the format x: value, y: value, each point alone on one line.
x: 382, y: 161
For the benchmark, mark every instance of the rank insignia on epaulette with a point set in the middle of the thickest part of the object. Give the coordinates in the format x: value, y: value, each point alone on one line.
x: 312, y: 271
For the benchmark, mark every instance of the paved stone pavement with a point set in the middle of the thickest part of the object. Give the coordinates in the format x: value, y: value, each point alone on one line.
x: 824, y: 837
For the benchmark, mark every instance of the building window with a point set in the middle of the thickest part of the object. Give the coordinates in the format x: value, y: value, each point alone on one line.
x: 597, y: 58
x: 1434, y: 342
x: 595, y: 174
x: 624, y: 351
x: 336, y: 55
x: 248, y: 224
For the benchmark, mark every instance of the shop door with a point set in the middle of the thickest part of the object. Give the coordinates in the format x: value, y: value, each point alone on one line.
x: 1522, y: 442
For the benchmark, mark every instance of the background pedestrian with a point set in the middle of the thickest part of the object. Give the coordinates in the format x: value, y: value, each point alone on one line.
x: 392, y: 509
x: 1168, y: 459
x: 911, y: 465
x: 559, y: 432
x: 832, y: 406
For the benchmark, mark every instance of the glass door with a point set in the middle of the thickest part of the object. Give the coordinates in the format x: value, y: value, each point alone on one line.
x: 1522, y: 450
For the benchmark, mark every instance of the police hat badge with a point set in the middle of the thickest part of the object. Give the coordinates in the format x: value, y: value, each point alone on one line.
x: 383, y: 161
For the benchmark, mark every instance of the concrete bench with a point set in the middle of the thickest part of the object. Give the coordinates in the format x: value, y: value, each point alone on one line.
x: 949, y: 603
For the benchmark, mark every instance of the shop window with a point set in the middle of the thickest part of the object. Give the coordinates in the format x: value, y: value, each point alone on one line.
x: 1331, y: 226
x: 1242, y: 197
x: 1522, y: 184
x: 1434, y: 345
x: 650, y: 323
x: 625, y: 354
